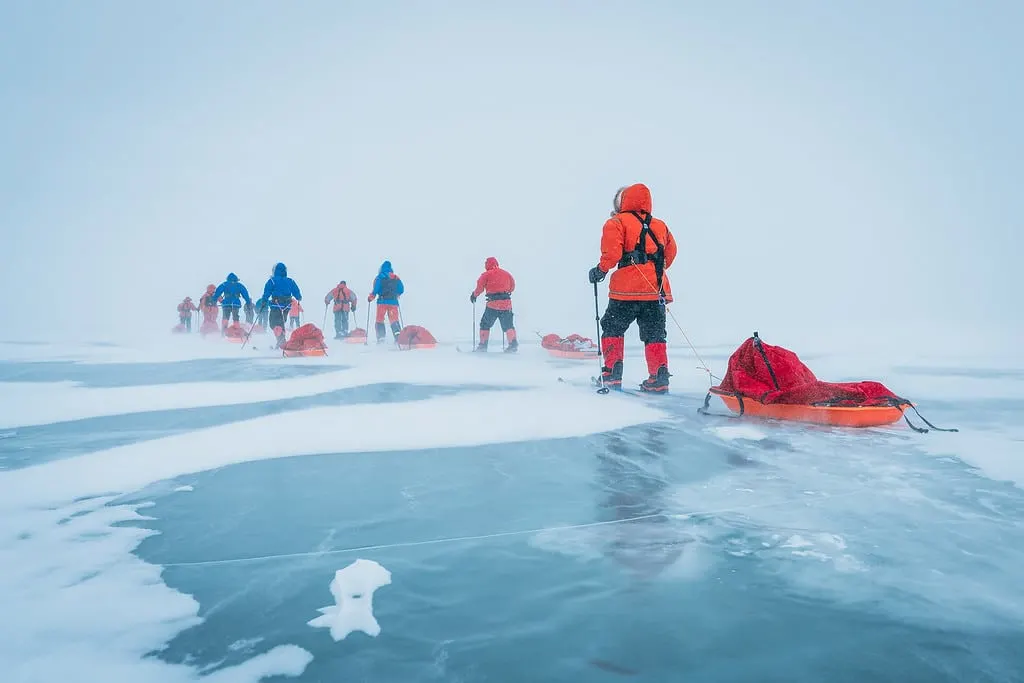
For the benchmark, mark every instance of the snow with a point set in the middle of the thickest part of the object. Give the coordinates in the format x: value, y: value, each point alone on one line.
x: 353, y: 588
x: 184, y: 488
x: 999, y: 454
x: 89, y: 610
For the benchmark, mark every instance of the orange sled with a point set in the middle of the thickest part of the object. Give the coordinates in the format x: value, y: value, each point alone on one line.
x: 580, y: 355
x: 786, y: 389
x: 293, y: 353
x: 840, y: 416
x: 356, y: 336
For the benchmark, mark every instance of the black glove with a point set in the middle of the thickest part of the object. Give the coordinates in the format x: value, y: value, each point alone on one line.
x: 472, y: 298
x: 596, y: 275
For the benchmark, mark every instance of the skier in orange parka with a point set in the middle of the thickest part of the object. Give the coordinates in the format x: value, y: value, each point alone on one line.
x: 344, y: 301
x: 499, y: 285
x: 641, y: 248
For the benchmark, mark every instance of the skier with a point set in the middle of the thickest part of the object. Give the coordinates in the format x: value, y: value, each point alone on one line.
x: 344, y: 301
x: 388, y: 287
x: 185, y: 309
x: 233, y: 291
x: 277, y: 296
x: 249, y: 313
x: 208, y: 306
x: 642, y: 248
x: 262, y: 312
x: 293, y: 313
x: 499, y: 285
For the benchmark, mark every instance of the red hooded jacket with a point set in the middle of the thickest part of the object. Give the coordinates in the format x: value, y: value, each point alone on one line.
x: 499, y: 285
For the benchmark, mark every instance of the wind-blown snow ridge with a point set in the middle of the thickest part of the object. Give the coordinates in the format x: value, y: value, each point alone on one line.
x: 47, y: 403
x: 462, y: 420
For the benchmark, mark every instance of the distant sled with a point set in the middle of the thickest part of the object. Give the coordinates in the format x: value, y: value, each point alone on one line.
x: 415, y: 337
x: 356, y: 336
x: 574, y: 346
x: 234, y: 333
x: 306, y: 340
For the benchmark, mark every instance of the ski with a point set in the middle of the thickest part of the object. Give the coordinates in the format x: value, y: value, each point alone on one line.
x: 483, y: 353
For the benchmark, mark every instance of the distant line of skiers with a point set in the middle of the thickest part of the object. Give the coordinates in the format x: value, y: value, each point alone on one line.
x: 639, y: 247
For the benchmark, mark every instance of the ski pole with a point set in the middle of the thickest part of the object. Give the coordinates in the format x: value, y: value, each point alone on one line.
x: 366, y: 337
x: 600, y: 362
x: 248, y: 334
x: 324, y: 325
x: 474, y: 325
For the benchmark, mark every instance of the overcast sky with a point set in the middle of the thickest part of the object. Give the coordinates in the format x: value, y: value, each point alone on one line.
x: 848, y: 167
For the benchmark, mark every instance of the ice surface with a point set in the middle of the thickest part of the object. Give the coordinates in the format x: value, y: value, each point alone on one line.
x: 465, y: 419
x: 353, y: 588
x: 89, y: 610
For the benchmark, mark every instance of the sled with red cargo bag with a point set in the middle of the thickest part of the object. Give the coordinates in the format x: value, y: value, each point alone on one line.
x: 771, y: 382
x: 356, y: 336
x: 574, y: 346
x: 306, y: 340
x: 415, y: 337
x: 234, y: 333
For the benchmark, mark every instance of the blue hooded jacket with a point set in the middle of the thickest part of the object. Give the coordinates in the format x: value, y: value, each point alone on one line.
x: 281, y: 286
x: 387, y: 283
x: 233, y: 291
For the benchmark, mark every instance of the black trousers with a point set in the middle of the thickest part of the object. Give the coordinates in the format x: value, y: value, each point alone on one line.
x: 231, y: 312
x: 277, y: 318
x: 492, y: 314
x: 649, y: 316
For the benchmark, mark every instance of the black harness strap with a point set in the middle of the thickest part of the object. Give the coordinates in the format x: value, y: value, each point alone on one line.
x: 764, y: 357
x: 639, y: 256
x: 703, y: 410
x: 499, y: 296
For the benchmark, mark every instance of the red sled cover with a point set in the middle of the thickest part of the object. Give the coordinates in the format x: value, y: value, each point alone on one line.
x: 772, y: 374
x: 415, y: 337
x: 305, y: 337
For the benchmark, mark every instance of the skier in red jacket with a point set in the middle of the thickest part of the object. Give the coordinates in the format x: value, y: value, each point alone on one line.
x: 499, y: 285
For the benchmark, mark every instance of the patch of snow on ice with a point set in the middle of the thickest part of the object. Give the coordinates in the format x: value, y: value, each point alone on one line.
x: 90, y: 610
x: 998, y: 455
x: 186, y: 487
x: 738, y: 431
x: 353, y: 588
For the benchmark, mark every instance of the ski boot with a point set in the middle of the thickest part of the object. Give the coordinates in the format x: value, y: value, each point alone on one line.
x: 512, y: 347
x: 612, y: 377
x: 657, y: 383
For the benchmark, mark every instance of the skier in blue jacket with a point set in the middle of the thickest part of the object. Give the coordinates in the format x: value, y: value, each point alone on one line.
x: 387, y: 287
x: 233, y: 291
x: 277, y: 294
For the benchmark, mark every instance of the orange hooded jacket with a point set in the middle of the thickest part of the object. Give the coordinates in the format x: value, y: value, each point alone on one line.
x: 621, y: 234
x: 295, y: 309
x: 496, y: 280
